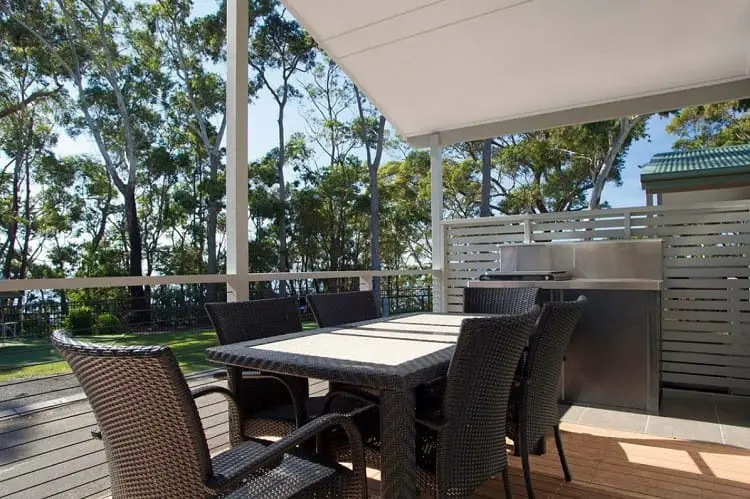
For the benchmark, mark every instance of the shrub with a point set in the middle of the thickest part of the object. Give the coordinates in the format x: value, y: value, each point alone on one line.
x: 107, y: 324
x: 79, y: 320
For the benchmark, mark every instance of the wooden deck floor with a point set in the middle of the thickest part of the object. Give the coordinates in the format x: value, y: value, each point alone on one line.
x: 51, y: 454
x: 615, y: 464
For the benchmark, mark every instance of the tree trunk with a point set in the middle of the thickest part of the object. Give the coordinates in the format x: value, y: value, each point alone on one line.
x: 211, y: 223
x: 139, y: 305
x: 13, y: 228
x: 27, y: 224
x: 484, y: 207
x: 626, y: 126
x: 283, y: 257
x: 375, y: 228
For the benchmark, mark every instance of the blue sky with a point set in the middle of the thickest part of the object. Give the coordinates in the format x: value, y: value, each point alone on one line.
x: 630, y: 194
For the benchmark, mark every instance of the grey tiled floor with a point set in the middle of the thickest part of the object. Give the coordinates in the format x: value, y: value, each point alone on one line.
x: 685, y: 415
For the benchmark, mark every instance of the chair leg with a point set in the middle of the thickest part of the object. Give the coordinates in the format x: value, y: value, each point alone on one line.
x: 506, y: 484
x: 526, y: 466
x: 561, y: 453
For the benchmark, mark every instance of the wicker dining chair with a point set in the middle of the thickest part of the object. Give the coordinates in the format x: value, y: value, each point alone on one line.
x: 155, y: 443
x: 533, y: 404
x: 499, y: 300
x: 461, y: 441
x: 271, y: 405
x: 335, y: 309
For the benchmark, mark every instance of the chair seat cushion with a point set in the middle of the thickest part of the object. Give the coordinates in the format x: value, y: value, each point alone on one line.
x: 278, y: 420
x: 294, y: 476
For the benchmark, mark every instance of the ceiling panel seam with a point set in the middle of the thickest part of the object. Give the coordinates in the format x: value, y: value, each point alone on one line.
x: 379, y: 21
x: 436, y: 28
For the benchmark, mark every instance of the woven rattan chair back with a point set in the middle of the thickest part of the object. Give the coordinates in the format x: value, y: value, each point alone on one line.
x: 253, y: 320
x: 543, y: 365
x: 499, y: 300
x: 334, y: 309
x: 472, y: 445
x: 150, y: 426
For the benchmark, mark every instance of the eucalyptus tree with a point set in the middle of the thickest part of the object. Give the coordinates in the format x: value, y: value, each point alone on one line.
x: 369, y: 128
x: 119, y: 89
x: 279, y: 49
x: 711, y: 125
x: 27, y: 75
x: 191, y: 46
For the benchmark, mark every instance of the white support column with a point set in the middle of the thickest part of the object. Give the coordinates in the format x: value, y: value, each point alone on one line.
x: 236, y: 184
x: 439, y: 303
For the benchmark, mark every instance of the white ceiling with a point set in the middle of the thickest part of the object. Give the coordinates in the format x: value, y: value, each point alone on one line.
x: 472, y: 69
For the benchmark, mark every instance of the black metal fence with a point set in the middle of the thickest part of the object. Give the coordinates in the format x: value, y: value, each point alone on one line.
x: 178, y: 307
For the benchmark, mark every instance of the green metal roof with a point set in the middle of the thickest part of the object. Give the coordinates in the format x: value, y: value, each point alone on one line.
x: 712, y: 166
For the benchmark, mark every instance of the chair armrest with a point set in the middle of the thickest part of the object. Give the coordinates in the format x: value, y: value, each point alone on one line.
x: 433, y: 424
x: 298, y: 402
x: 258, y: 458
x: 368, y: 398
x: 235, y: 420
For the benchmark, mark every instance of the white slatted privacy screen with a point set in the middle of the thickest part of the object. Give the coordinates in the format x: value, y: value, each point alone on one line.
x: 705, y: 298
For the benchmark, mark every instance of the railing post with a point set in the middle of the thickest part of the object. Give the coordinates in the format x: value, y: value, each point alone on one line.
x: 236, y: 173
x: 627, y: 223
x: 436, y: 200
x: 365, y: 282
x: 527, y: 231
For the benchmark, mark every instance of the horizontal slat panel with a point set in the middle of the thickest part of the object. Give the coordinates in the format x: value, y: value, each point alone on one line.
x: 699, y: 294
x: 471, y: 249
x: 497, y: 238
x: 690, y: 347
x: 729, y: 306
x: 693, y: 218
x: 715, y: 261
x: 729, y: 250
x: 578, y: 225
x: 475, y: 257
x: 707, y: 370
x: 706, y: 240
x: 694, y: 379
x: 737, y: 361
x: 709, y: 327
x: 687, y: 283
x: 578, y: 235
x: 485, y: 229
x: 669, y: 335
x: 479, y: 266
x: 672, y: 232
x: 705, y: 316
x: 727, y: 272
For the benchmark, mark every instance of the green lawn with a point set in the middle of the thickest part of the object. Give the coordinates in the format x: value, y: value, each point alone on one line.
x: 27, y: 358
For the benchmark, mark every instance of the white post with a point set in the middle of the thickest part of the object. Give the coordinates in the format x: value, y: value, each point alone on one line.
x: 439, y: 302
x: 236, y: 184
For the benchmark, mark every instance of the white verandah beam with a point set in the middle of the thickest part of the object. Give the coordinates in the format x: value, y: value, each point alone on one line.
x: 236, y: 175
x: 436, y: 199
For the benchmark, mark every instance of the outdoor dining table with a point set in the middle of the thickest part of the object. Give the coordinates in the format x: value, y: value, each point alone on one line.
x: 392, y: 356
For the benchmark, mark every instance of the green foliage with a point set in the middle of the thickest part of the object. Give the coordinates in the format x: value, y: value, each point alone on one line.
x: 107, y: 324
x: 711, y: 125
x: 79, y: 321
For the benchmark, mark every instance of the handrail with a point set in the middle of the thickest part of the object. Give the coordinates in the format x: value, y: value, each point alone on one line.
x: 615, y: 212
x: 11, y: 285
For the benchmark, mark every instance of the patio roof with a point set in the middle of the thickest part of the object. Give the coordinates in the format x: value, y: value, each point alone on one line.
x: 471, y: 70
